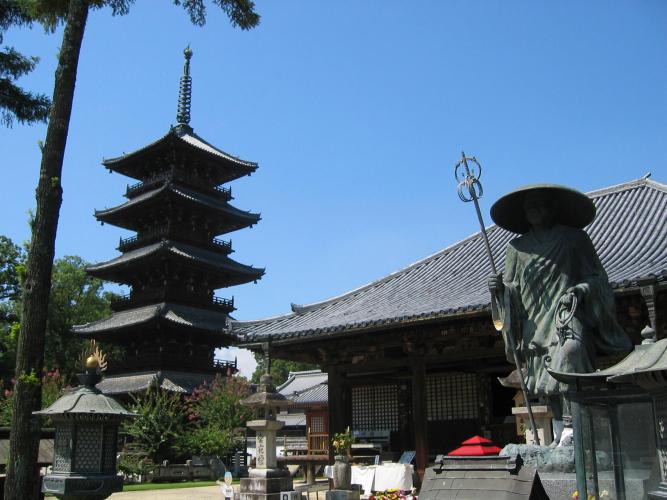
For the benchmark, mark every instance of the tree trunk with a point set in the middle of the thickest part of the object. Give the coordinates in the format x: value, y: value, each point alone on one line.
x: 21, y: 482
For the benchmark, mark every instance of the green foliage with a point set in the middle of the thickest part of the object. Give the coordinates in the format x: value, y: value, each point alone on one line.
x: 16, y: 103
x: 160, y: 423
x: 342, y: 442
x: 76, y: 298
x: 131, y: 461
x: 207, y: 441
x: 12, y: 266
x: 52, y: 387
x: 51, y: 13
x: 215, y: 417
x: 280, y: 369
x: 29, y: 378
x: 12, y: 263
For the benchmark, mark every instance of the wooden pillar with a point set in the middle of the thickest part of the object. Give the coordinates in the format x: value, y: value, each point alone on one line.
x: 419, y: 415
x: 337, y: 407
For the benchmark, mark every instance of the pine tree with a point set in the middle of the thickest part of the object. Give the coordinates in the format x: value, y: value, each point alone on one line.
x: 16, y: 103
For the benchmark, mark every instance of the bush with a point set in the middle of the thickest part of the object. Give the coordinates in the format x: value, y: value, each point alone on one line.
x: 155, y: 432
x: 207, y: 441
x: 215, y: 417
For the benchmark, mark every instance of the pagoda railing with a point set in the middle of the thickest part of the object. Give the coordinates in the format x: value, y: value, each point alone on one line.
x: 224, y: 245
x: 145, y: 298
x: 146, y: 237
x: 146, y: 185
x: 224, y: 303
x: 225, y: 367
x: 152, y: 182
x: 152, y: 236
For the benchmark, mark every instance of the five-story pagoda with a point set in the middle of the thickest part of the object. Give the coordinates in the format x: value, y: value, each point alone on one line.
x: 171, y: 322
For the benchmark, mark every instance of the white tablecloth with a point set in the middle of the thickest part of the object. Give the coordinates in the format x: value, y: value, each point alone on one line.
x: 379, y: 477
x: 389, y: 476
x: 363, y: 475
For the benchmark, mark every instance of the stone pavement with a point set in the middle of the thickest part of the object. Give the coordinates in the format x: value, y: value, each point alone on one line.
x: 203, y: 493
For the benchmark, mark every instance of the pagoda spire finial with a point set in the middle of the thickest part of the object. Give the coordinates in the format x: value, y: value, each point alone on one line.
x: 185, y: 91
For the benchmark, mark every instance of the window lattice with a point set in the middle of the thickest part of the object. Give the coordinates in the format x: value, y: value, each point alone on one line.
x: 451, y: 396
x: 317, y: 425
x: 375, y: 407
x: 88, y: 443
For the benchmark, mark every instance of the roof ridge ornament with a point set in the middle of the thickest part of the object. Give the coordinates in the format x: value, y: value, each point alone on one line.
x: 185, y: 92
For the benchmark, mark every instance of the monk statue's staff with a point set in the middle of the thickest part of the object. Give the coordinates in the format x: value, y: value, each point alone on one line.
x: 467, y: 172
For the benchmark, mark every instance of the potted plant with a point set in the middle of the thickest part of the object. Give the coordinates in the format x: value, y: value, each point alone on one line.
x: 342, y: 471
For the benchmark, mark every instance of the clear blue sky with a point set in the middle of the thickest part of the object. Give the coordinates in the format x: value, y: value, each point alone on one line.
x: 356, y: 113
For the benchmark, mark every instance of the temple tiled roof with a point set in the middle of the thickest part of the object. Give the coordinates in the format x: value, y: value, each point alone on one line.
x: 121, y: 215
x: 318, y: 394
x: 214, y: 262
x: 181, y: 382
x: 629, y: 232
x: 300, y: 381
x: 173, y: 314
x: 183, y: 137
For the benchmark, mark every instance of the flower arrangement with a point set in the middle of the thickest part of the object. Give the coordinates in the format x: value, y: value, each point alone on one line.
x: 603, y: 494
x: 393, y: 494
x: 342, y: 442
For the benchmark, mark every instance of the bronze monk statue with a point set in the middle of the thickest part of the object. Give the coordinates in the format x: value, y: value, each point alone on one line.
x: 554, y: 295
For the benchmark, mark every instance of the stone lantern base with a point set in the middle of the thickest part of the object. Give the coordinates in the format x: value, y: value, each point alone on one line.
x: 75, y: 487
x: 265, y: 484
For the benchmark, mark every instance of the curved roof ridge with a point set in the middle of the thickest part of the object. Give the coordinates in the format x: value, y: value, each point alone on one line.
x: 300, y: 309
x: 107, y: 161
x: 394, y: 274
x: 134, y: 201
x: 641, y: 182
x: 215, y: 149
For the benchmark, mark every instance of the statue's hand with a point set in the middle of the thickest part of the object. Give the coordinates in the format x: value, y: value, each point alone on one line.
x: 495, y: 283
x: 580, y: 291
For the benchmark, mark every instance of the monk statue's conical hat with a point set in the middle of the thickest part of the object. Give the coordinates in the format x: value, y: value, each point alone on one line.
x: 572, y: 207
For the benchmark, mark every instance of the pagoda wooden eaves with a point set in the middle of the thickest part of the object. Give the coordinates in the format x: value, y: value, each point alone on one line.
x: 183, y: 148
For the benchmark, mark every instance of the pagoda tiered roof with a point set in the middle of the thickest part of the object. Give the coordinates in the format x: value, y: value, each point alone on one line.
x: 222, y: 270
x: 127, y: 214
x: 181, y: 139
x: 629, y: 233
x: 175, y: 316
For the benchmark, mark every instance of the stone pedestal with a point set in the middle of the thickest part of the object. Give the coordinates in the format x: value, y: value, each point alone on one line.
x: 543, y: 417
x: 266, y: 487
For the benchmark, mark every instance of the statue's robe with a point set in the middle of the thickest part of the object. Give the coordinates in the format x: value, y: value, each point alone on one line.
x: 538, y: 272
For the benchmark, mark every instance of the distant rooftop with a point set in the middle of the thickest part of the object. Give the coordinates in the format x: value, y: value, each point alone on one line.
x: 629, y: 233
x: 306, y: 387
x: 300, y: 381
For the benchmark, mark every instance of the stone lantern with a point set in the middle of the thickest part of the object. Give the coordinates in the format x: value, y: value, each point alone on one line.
x: 86, y: 438
x: 266, y: 480
x: 618, y: 420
